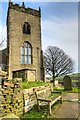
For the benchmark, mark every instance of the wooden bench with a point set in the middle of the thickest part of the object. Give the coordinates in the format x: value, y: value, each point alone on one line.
x: 47, y: 97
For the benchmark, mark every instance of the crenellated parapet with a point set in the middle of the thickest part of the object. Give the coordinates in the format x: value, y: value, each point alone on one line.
x: 22, y: 8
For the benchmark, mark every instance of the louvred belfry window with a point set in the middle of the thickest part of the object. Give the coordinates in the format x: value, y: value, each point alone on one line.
x: 26, y: 28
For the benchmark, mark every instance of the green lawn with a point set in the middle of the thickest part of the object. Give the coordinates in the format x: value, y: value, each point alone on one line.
x: 74, y: 89
x: 34, y: 114
x: 27, y: 85
x: 75, y: 75
x: 74, y: 81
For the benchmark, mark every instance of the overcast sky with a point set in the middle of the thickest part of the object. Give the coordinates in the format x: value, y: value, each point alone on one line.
x: 59, y: 24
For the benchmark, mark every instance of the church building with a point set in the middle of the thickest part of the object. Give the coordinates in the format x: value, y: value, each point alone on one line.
x: 24, y: 46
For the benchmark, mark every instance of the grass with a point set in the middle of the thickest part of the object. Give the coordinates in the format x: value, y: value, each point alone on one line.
x: 74, y: 81
x: 74, y: 90
x: 27, y: 85
x: 34, y: 113
x: 76, y: 75
x: 31, y: 84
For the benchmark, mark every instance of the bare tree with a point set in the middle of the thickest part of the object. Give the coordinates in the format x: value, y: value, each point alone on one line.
x: 57, y: 63
x: 3, y: 39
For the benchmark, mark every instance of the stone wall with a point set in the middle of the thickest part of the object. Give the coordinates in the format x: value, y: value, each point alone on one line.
x: 13, y: 99
x: 30, y: 98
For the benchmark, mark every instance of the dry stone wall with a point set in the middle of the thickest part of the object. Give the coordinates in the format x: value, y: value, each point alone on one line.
x: 30, y: 97
x: 13, y: 99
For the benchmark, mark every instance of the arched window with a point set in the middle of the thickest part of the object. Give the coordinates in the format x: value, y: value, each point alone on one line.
x: 26, y: 28
x: 26, y: 53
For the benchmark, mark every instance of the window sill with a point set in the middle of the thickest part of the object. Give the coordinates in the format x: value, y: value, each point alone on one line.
x: 26, y: 64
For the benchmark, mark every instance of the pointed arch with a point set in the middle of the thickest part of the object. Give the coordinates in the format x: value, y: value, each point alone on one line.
x: 26, y: 28
x: 26, y: 53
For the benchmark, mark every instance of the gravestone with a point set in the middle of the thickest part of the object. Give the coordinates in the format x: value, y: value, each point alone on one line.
x: 67, y: 83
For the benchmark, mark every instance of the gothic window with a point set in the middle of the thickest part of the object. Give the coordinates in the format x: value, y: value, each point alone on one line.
x: 26, y: 28
x: 26, y: 53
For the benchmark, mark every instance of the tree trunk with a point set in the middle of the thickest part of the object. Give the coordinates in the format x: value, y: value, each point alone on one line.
x: 53, y: 81
x: 53, y: 76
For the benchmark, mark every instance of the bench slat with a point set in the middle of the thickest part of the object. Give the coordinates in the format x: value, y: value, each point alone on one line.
x: 55, y: 100
x: 46, y: 100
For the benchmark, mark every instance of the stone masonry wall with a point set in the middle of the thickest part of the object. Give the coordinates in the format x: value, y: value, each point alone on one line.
x: 11, y: 97
x: 30, y: 98
x: 15, y: 20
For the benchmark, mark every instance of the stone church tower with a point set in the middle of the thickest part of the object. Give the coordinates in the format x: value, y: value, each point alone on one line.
x: 24, y: 48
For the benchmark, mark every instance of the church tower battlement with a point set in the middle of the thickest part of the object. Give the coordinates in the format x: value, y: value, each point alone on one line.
x: 22, y: 8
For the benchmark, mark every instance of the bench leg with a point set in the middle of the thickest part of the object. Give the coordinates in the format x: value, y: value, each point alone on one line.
x: 49, y: 107
x: 61, y: 100
x: 38, y: 105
